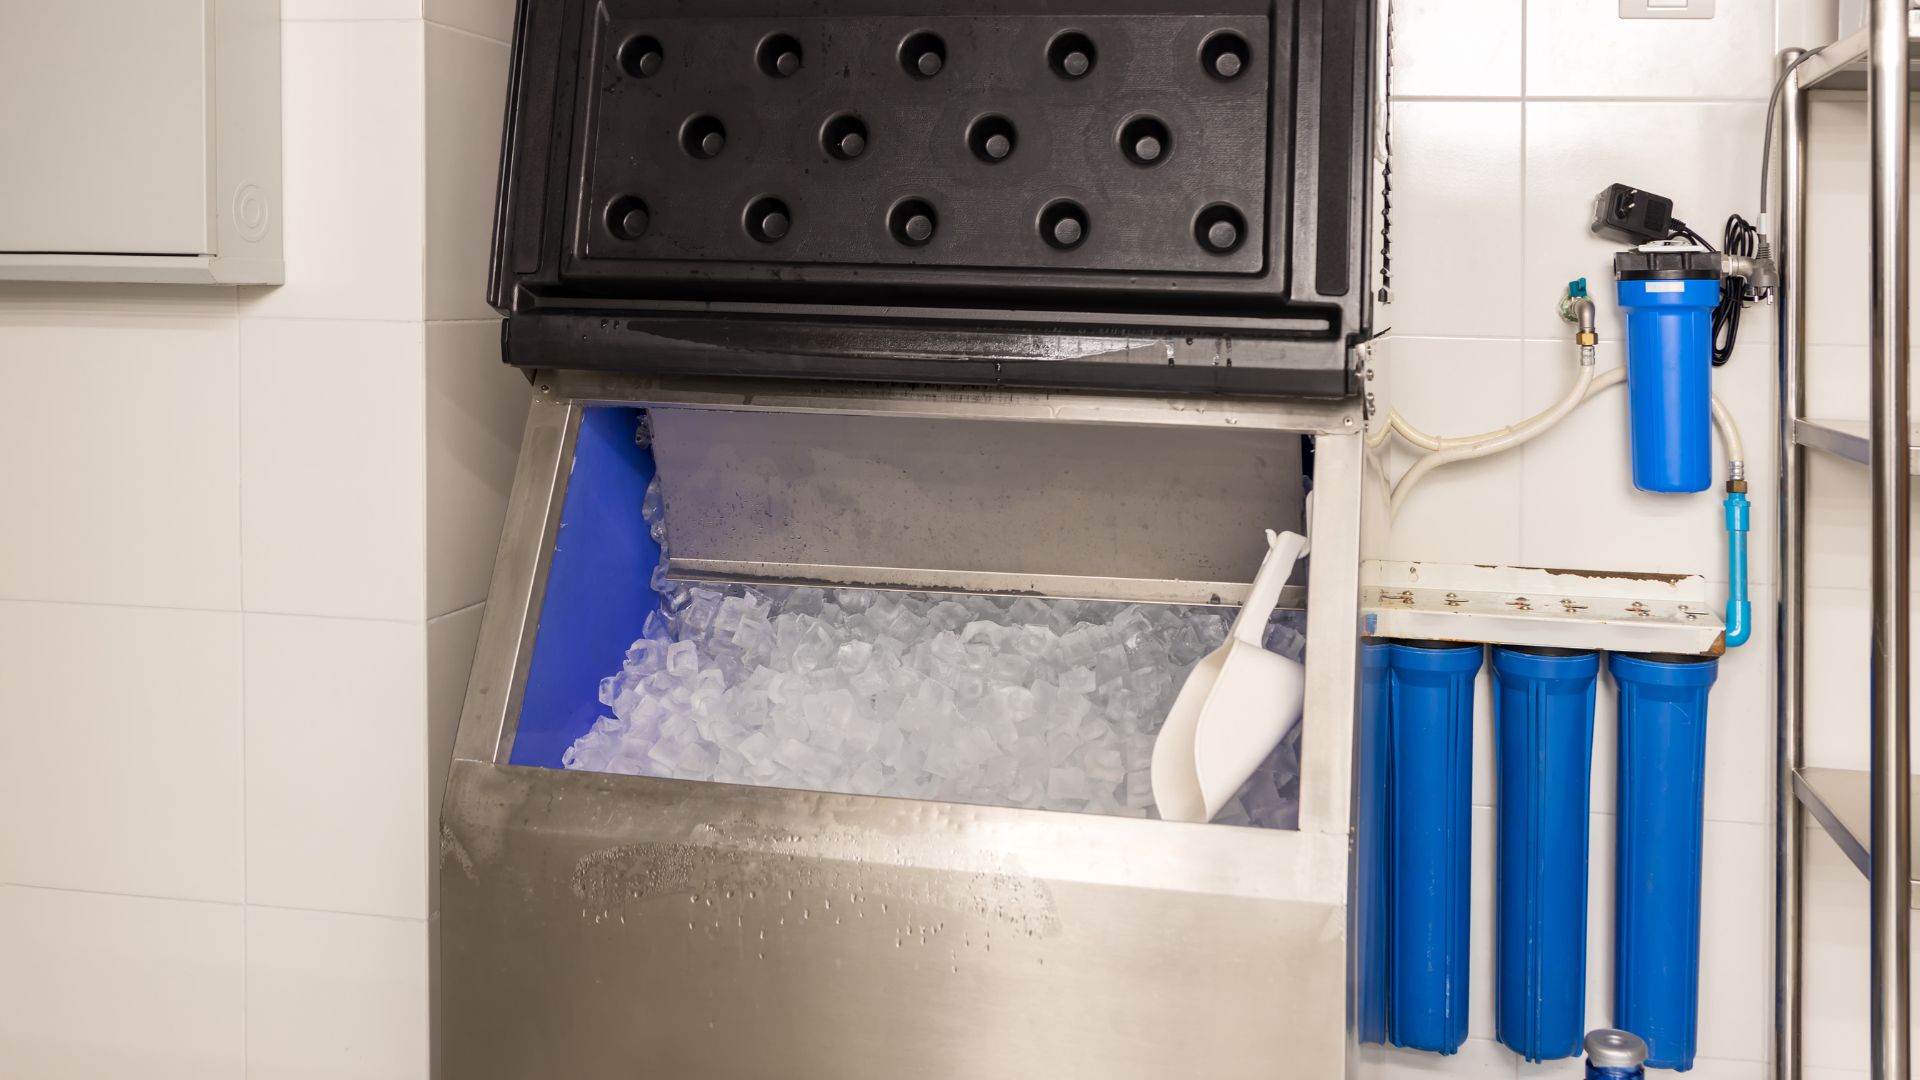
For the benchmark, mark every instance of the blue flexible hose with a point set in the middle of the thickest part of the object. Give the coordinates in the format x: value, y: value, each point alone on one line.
x: 1739, y: 608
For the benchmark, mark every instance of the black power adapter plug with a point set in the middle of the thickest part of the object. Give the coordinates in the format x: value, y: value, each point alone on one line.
x: 1633, y: 216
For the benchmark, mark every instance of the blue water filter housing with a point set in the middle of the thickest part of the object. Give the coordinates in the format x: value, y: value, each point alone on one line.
x: 1429, y: 841
x: 1543, y: 736
x: 1668, y: 298
x: 1661, y: 796
x: 1370, y: 848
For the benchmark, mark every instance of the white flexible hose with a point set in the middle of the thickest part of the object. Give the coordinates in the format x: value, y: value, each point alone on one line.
x: 1395, y: 423
x: 1730, y: 438
x: 1465, y: 447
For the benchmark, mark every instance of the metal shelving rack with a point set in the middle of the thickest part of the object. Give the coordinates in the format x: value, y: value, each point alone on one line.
x: 1869, y: 814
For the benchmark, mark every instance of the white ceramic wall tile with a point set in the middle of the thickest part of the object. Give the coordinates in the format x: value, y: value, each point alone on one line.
x: 1456, y: 48
x: 1456, y: 219
x: 1736, y: 939
x: 1833, y: 949
x: 353, y: 104
x: 1837, y: 224
x: 1480, y: 950
x: 476, y: 410
x: 1836, y: 643
x: 1482, y: 1059
x: 122, y: 728
x: 450, y: 642
x: 46, y: 299
x: 1839, y: 531
x: 120, y: 986
x: 466, y: 94
x: 1582, y: 48
x: 1721, y: 1069
x: 1484, y: 759
x: 333, y: 467
x: 1582, y: 510
x: 1804, y: 23
x: 1602, y: 832
x: 332, y: 995
x: 1575, y: 149
x: 488, y: 18
x: 343, y: 10
x: 124, y: 454
x: 1839, y: 381
x: 1838, y: 278
x: 337, y: 806
x: 1459, y: 386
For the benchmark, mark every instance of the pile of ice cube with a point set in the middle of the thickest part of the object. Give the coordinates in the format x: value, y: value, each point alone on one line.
x: 1051, y: 704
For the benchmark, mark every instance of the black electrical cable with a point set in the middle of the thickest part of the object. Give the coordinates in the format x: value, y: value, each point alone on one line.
x: 1739, y: 238
x: 1681, y: 228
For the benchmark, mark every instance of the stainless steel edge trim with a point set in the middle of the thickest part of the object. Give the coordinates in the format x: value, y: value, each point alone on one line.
x: 1333, y: 625
x: 1309, y: 416
x: 492, y: 707
x: 1890, y: 822
x: 928, y: 579
x: 1790, y: 610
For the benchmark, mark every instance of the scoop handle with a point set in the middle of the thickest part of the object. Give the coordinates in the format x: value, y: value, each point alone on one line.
x: 1283, y: 550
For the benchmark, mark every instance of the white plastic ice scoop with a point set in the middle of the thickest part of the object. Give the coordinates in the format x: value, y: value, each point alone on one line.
x: 1237, y: 704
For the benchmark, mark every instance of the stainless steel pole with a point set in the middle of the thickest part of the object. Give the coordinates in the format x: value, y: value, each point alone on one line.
x: 1890, y: 841
x: 1791, y: 611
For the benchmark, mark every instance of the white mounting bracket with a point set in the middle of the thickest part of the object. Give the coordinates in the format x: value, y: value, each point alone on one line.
x: 1523, y: 605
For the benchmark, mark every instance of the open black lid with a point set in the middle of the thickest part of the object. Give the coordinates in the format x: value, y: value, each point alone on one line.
x: 1128, y: 195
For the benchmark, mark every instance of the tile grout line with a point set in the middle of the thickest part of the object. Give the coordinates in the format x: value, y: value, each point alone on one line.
x: 429, y: 835
x: 402, y: 19
x: 240, y: 548
x: 475, y: 34
x: 1519, y: 516
x: 242, y: 905
x: 462, y: 610
x: 195, y: 609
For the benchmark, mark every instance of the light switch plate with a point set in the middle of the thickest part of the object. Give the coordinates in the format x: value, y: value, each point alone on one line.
x: 1666, y: 9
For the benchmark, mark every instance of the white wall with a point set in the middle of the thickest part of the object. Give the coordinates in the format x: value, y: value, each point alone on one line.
x: 1511, y: 115
x: 247, y: 536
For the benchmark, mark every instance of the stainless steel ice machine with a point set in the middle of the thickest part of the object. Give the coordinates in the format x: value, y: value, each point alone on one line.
x: 910, y: 405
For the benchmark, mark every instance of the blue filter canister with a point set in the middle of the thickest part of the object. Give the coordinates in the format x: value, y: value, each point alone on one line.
x: 1668, y: 298
x: 1370, y: 849
x: 1663, y: 751
x: 1543, y: 738
x: 1429, y: 841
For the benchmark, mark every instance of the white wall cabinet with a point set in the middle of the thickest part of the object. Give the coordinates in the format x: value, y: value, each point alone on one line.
x: 140, y: 141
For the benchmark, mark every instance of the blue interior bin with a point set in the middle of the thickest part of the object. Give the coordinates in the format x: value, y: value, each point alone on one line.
x: 599, y: 592
x: 1543, y: 735
x: 594, y: 607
